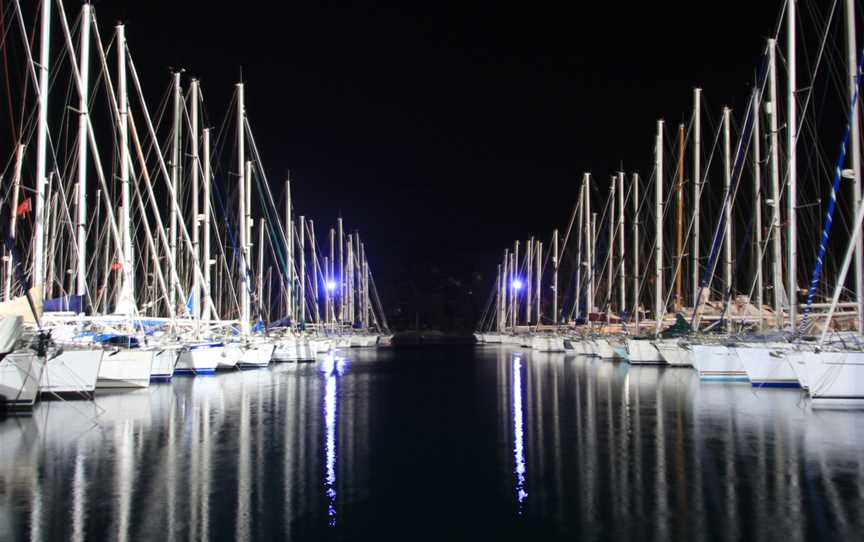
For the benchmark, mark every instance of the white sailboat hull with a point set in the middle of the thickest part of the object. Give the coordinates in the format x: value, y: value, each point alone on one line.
x: 550, y: 343
x: 603, y: 349
x: 835, y: 378
x: 643, y: 352
x: 767, y: 366
x: 165, y: 362
x: 674, y: 354
x: 125, y: 368
x: 202, y: 359
x: 20, y: 373
x: 254, y: 355
x: 717, y: 362
x: 74, y: 371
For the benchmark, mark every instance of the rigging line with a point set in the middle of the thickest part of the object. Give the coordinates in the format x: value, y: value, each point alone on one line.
x: 826, y: 228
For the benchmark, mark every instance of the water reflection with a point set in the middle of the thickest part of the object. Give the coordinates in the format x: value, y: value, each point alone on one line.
x: 518, y: 435
x: 609, y: 451
x: 331, y: 366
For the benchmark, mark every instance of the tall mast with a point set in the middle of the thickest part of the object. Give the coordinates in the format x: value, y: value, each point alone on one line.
x: 538, y: 259
x: 83, y: 111
x: 792, y: 165
x: 757, y: 200
x: 349, y: 261
x: 196, y: 226
x: 622, y: 285
x: 206, y: 226
x: 242, y: 212
x: 579, y: 230
x: 175, y: 177
x: 314, y: 269
x: 505, y: 289
x: 555, y: 277
x: 727, y: 204
x: 289, y: 235
x: 128, y: 289
x: 513, y: 275
x: 852, y: 63
x: 697, y: 188
x: 38, y: 277
x: 529, y: 275
x: 589, y: 249
x: 13, y: 218
x: 611, y: 248
x: 679, y: 224
x: 636, y: 268
x: 330, y: 275
x: 592, y: 236
x: 658, y: 228
x: 499, y: 301
x: 260, y: 285
x: 514, y: 292
x: 776, y: 248
x: 343, y: 313
x: 301, y: 222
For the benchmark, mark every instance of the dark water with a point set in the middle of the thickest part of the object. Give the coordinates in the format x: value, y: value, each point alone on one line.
x: 436, y: 443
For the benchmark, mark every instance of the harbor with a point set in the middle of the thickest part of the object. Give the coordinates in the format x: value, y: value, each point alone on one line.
x: 531, y: 444
x: 450, y: 272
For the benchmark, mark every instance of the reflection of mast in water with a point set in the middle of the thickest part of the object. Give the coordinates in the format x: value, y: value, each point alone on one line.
x: 332, y: 368
x: 79, y: 496
x: 244, y: 489
x: 518, y: 433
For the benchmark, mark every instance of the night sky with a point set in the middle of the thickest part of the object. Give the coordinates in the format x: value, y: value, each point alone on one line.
x: 445, y: 130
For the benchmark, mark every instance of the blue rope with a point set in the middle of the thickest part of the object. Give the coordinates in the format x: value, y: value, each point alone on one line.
x: 832, y: 204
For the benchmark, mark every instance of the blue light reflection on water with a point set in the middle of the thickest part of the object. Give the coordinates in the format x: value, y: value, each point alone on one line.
x: 518, y: 433
x: 332, y: 367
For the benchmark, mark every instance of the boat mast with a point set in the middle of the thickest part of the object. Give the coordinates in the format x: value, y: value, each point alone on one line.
x: 301, y: 222
x: 196, y: 226
x: 260, y: 285
x: 175, y: 175
x: 622, y: 284
x: 242, y: 220
x: 289, y: 235
x: 852, y: 62
x: 727, y: 204
x: 38, y: 278
x: 589, y: 249
x: 128, y: 290
x: 208, y: 301
x: 83, y: 112
x: 776, y: 248
x: 580, y: 220
x: 349, y: 261
x: 505, y: 289
x: 529, y: 275
x: 757, y: 200
x: 679, y: 224
x: 343, y: 314
x: 593, y: 237
x: 611, y: 248
x: 514, y: 263
x: 658, y: 228
x: 697, y: 188
x: 498, y: 301
x: 315, y: 268
x: 792, y: 165
x: 636, y: 269
x: 554, y: 275
x: 330, y: 278
x: 538, y: 260
x: 13, y: 218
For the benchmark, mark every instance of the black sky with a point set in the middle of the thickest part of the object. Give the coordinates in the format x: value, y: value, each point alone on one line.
x: 445, y: 130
